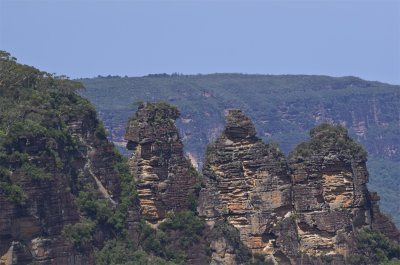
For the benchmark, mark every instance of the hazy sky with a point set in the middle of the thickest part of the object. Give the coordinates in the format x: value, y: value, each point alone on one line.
x: 134, y: 38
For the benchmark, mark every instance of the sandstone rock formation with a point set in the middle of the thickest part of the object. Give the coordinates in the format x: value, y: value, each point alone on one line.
x: 292, y: 215
x: 248, y: 183
x: 158, y: 164
x: 330, y: 195
x: 329, y: 192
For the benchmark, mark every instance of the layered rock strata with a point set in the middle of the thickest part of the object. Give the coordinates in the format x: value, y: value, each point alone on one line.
x: 330, y: 195
x: 158, y: 164
x: 248, y: 183
x: 296, y: 214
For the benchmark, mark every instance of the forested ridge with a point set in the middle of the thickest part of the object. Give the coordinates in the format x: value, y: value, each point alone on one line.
x: 283, y: 107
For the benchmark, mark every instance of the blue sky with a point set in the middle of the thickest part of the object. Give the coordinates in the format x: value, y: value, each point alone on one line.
x: 134, y: 38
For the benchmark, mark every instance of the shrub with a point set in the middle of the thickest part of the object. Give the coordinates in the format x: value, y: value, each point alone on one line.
x: 34, y: 172
x: 100, y: 132
x: 14, y: 193
x: 187, y: 222
x: 326, y: 136
x: 192, y: 201
x: 80, y: 234
x: 94, y: 207
x: 114, y: 252
x: 374, y: 247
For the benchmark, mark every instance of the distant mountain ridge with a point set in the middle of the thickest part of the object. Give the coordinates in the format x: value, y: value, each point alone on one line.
x: 283, y: 108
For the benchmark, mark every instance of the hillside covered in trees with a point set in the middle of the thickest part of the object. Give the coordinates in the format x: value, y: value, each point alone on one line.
x: 283, y: 108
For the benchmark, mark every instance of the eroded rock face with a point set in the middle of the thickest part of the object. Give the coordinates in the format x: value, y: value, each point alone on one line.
x: 330, y: 195
x: 31, y: 233
x: 248, y: 183
x: 327, y: 201
x: 382, y: 222
x: 329, y: 191
x: 158, y: 164
x: 296, y: 214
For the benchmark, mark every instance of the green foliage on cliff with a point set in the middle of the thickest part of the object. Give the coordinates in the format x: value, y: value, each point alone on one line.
x: 163, y: 113
x: 168, y: 244
x: 34, y: 139
x: 118, y: 252
x: 173, y: 237
x: 324, y: 138
x: 95, y: 207
x: 193, y: 195
x: 128, y: 194
x: 80, y: 233
x: 13, y: 192
x: 375, y: 248
x: 34, y: 172
x: 92, y: 204
x: 186, y: 222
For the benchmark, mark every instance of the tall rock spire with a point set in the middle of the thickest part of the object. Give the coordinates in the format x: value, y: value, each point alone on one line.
x: 158, y: 164
x: 248, y: 184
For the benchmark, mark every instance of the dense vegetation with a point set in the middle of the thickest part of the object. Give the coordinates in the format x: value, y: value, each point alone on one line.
x: 326, y: 137
x: 375, y: 248
x: 283, y: 108
x: 34, y: 139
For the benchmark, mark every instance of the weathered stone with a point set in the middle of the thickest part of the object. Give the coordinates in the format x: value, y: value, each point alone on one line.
x: 248, y: 183
x: 158, y: 164
x: 302, y: 221
x: 330, y: 195
x: 32, y: 232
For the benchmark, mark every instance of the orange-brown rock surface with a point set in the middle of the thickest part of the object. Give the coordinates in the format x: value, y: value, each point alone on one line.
x: 330, y: 195
x: 158, y: 164
x: 248, y: 183
x: 296, y: 214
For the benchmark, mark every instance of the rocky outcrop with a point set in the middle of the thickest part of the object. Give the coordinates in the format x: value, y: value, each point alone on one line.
x: 30, y: 230
x: 381, y: 221
x: 158, y: 164
x: 330, y: 195
x: 296, y: 214
x: 248, y: 184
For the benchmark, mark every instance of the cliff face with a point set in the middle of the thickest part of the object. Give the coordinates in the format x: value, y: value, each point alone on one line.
x: 329, y: 192
x: 248, y: 183
x: 31, y: 229
x: 330, y: 195
x: 313, y: 208
x: 158, y: 164
x: 32, y: 232
x: 51, y: 146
